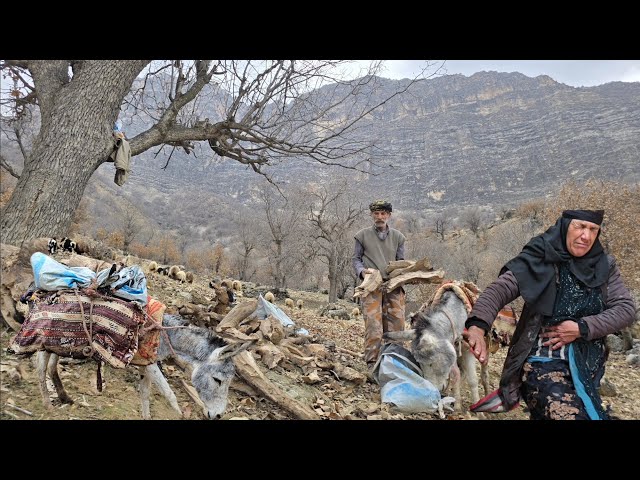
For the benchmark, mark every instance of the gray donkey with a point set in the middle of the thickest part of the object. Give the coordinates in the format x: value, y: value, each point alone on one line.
x: 207, y: 356
x: 436, y: 344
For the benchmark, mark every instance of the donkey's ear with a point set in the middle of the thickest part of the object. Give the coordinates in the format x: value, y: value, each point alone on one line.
x: 400, y: 336
x: 234, y: 349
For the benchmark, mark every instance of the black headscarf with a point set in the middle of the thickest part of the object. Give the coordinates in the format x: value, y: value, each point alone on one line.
x: 534, y: 265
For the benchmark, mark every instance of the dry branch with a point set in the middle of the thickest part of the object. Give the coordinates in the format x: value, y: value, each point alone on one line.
x: 370, y: 283
x: 349, y: 352
x: 236, y: 315
x: 193, y: 394
x: 414, y: 277
x: 398, y: 264
x: 421, y: 265
x: 22, y: 410
x: 250, y: 372
x: 242, y: 387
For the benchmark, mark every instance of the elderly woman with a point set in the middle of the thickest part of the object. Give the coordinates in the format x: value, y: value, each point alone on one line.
x: 574, y: 297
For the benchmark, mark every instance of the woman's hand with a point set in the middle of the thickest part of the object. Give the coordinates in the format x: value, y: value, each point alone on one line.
x: 562, y: 334
x: 475, y: 338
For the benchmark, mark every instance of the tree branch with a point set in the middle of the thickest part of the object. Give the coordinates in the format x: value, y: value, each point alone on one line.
x: 4, y: 164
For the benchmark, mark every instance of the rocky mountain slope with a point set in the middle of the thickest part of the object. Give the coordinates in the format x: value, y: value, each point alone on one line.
x: 492, y: 139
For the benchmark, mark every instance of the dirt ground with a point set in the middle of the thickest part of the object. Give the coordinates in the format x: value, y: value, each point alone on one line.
x: 333, y: 397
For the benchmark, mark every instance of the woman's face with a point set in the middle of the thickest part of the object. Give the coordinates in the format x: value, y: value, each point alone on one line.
x: 580, y: 237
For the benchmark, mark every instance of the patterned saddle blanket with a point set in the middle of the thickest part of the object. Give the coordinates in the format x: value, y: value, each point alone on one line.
x: 75, y: 325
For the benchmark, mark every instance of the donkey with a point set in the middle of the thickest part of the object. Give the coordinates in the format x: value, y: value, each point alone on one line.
x: 208, y: 357
x: 436, y: 344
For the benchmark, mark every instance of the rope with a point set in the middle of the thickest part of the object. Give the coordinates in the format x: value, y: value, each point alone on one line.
x: 88, y: 350
x: 99, y: 378
x: 164, y: 331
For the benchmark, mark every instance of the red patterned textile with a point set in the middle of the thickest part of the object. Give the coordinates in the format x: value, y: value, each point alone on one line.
x: 57, y: 323
x: 149, y: 341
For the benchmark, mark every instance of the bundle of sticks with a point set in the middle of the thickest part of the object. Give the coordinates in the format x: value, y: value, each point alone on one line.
x: 401, y: 272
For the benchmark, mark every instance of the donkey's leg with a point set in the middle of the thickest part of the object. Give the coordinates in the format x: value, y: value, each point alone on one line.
x: 469, y: 369
x: 156, y: 376
x: 484, y: 377
x: 468, y: 363
x: 454, y: 381
x: 145, y: 387
x: 52, y: 368
x: 42, y: 361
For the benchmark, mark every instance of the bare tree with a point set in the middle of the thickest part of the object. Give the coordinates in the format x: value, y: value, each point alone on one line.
x: 442, y: 222
x: 246, y: 244
x: 467, y: 262
x: 332, y: 215
x: 282, y: 218
x: 472, y: 218
x: 131, y: 225
x: 264, y: 111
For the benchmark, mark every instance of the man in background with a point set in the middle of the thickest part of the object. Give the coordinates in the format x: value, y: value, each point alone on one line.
x: 375, y: 247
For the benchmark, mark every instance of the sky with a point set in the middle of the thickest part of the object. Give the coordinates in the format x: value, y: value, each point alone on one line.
x: 576, y: 73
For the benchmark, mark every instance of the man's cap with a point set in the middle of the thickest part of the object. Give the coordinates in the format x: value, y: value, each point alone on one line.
x: 380, y: 205
x: 593, y: 216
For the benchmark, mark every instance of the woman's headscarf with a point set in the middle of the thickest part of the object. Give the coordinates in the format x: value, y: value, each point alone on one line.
x: 534, y: 265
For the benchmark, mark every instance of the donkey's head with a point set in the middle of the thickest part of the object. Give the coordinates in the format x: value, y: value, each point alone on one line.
x: 433, y: 348
x: 211, y: 378
x: 431, y: 345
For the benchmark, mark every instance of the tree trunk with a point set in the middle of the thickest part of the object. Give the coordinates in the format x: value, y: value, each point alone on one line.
x: 74, y: 140
x: 333, y: 277
x: 279, y: 280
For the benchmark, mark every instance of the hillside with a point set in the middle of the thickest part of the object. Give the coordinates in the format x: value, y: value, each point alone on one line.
x: 331, y: 395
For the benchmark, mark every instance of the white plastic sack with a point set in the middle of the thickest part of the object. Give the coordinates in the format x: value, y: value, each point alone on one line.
x: 404, y: 388
x: 265, y: 309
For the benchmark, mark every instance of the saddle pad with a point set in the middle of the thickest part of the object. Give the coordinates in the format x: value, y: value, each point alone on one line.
x: 55, y: 324
x: 148, y: 342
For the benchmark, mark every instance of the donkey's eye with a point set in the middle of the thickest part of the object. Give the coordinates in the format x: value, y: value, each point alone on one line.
x: 219, y: 382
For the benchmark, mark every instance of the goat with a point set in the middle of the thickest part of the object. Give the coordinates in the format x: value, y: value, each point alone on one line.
x: 269, y: 297
x: 436, y: 344
x: 204, y: 354
x: 289, y: 303
x: 237, y: 285
x: 181, y: 276
x: 68, y: 245
x: 355, y: 312
x: 52, y: 245
x: 173, y: 271
x: 299, y: 304
x: 153, y: 266
x: 189, y: 277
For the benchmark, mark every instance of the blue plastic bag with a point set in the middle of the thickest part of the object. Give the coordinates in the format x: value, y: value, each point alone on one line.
x: 129, y: 283
x: 401, y: 382
x: 51, y: 275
